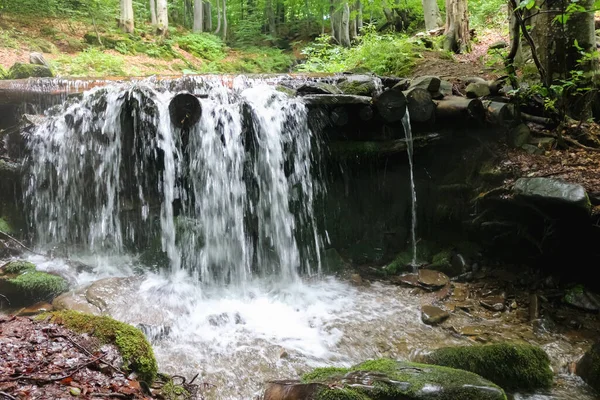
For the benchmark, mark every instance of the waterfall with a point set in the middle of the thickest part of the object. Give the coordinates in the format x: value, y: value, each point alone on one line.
x: 413, y: 192
x: 227, y: 199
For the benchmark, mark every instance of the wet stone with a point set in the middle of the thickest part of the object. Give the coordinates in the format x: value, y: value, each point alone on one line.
x: 433, y: 279
x: 432, y: 315
x: 37, y: 308
x: 493, y: 303
x: 581, y: 298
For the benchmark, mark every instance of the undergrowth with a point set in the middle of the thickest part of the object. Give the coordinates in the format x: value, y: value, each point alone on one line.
x: 90, y: 62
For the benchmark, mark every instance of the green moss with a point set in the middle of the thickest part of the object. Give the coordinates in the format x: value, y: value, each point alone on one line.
x: 512, y: 366
x: 401, y: 263
x: 391, y: 380
x: 17, y: 267
x: 357, y: 87
x: 4, y: 225
x: 137, y: 353
x: 171, y: 391
x: 23, y: 71
x: 39, y: 285
x: 324, y: 374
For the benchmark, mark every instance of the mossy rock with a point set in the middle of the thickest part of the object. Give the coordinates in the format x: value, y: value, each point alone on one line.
x: 510, y: 365
x: 6, y: 227
x: 137, y: 353
x: 23, y: 285
x: 425, y: 252
x: 24, y: 71
x: 386, y: 379
x: 358, y: 87
x: 589, y: 367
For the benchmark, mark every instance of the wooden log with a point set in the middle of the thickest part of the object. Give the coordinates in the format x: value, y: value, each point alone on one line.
x: 498, y: 113
x: 185, y: 110
x: 366, y: 113
x: 374, y: 149
x: 455, y: 107
x: 421, y: 107
x: 391, y: 105
x: 335, y: 100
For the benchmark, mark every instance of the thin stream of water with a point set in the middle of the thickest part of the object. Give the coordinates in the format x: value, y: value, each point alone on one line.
x: 413, y: 192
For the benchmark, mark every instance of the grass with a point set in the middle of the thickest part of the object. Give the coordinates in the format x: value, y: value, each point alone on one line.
x: 90, y: 62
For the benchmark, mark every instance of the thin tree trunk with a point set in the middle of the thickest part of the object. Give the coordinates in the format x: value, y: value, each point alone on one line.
x: 198, y: 16
x: 126, y: 19
x: 224, y: 20
x: 153, y: 12
x: 271, y: 18
x: 359, y: 15
x: 218, y: 17
x: 332, y: 19
x: 207, y: 16
x: 353, y: 27
x: 431, y: 12
x: 345, y: 26
x: 162, y: 17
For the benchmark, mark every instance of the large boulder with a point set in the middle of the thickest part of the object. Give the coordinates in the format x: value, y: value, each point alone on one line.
x: 23, y: 285
x: 551, y: 192
x: 512, y: 366
x: 24, y: 71
x: 386, y: 379
x: 589, y: 367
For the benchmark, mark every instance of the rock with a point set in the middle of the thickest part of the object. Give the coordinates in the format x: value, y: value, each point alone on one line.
x: 543, y: 143
x: 75, y: 301
x: 24, y: 71
x: 547, y: 191
x: 407, y: 279
x: 403, y: 84
x: 432, y: 315
x: 429, y: 83
x: 500, y: 44
x: 361, y: 85
x: 37, y: 308
x: 433, y: 279
x: 318, y: 88
x: 473, y: 79
x: 519, y: 135
x: 38, y: 59
x: 509, y: 365
x: 357, y: 280
x: 478, y: 89
x: 135, y: 349
x: 583, y: 299
x: 493, y: 303
x: 588, y: 367
x: 531, y: 149
x: 23, y: 285
x: 335, y: 100
x: 333, y: 262
x: 74, y: 391
x: 386, y: 379
x: 444, y: 90
x: 391, y: 81
x: 445, y: 261
x: 286, y: 90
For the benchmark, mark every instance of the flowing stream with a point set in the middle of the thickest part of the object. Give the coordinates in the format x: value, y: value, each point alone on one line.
x: 207, y: 237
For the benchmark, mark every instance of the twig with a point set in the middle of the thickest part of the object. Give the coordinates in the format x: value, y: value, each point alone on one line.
x: 570, y: 141
x: 8, y: 396
x: 20, y: 243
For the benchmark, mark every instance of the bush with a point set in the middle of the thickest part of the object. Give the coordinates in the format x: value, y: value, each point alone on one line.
x: 203, y: 45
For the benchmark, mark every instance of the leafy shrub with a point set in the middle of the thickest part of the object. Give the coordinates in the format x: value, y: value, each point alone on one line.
x: 385, y: 54
x: 203, y: 45
x: 487, y: 13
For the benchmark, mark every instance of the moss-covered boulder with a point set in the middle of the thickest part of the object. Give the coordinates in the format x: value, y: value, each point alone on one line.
x: 512, y: 366
x: 386, y: 379
x: 23, y: 285
x: 6, y: 227
x: 24, y: 71
x: 589, y: 367
x: 137, y: 353
x: 359, y: 85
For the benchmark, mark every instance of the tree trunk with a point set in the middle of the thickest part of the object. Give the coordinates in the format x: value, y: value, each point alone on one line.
x: 126, y: 20
x: 198, y: 16
x: 271, y: 18
x: 153, y: 12
x: 224, y: 20
x: 345, y: 26
x: 359, y: 16
x: 218, y: 17
x: 431, y: 12
x: 162, y: 17
x: 332, y: 18
x: 353, y: 25
x: 207, y: 16
x: 457, y: 26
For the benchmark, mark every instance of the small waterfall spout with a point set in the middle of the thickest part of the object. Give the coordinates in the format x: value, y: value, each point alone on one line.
x: 413, y: 192
x: 225, y: 199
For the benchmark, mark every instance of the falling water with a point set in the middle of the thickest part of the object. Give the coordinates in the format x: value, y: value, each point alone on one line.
x: 413, y: 192
x: 110, y: 171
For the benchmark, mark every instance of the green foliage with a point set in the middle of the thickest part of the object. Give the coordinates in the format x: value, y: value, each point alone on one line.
x: 91, y: 62
x: 137, y: 353
x: 486, y: 13
x: 512, y: 366
x: 172, y: 391
x: 4, y: 225
x: 385, y: 54
x: 203, y: 45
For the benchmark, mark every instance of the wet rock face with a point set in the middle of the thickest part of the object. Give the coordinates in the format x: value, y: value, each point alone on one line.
x: 432, y: 315
x: 546, y: 191
x: 386, y: 379
x: 589, y: 367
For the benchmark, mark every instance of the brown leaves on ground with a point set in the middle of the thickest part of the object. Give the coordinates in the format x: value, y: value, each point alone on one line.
x: 40, y: 360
